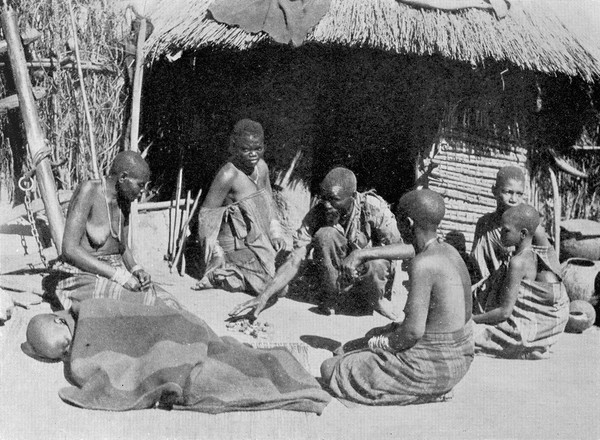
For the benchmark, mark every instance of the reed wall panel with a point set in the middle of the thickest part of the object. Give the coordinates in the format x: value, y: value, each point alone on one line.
x: 462, y: 167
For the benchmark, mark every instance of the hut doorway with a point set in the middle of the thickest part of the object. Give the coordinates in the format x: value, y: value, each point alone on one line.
x: 338, y: 106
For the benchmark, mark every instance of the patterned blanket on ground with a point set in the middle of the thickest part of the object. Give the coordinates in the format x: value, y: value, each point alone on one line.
x: 129, y: 356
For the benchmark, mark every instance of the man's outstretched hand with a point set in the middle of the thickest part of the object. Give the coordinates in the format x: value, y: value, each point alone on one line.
x: 256, y: 305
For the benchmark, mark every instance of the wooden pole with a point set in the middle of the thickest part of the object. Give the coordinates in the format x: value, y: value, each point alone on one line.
x: 176, y: 224
x: 86, y: 106
x: 135, y: 108
x: 557, y: 210
x: 188, y: 205
x: 137, y: 87
x: 35, y: 137
x: 185, y: 226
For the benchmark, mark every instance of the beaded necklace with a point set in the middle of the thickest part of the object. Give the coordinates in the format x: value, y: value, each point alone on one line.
x: 113, y: 234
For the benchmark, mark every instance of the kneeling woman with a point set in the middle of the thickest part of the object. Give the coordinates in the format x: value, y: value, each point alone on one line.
x: 96, y: 261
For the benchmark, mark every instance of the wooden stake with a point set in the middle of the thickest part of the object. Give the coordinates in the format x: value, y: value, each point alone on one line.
x: 176, y: 220
x: 171, y: 215
x: 86, y: 106
x: 36, y: 142
x: 187, y: 223
x: 183, y: 232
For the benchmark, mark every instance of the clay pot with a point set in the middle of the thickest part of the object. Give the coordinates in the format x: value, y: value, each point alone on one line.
x: 580, y: 238
x: 581, y: 316
x: 579, y: 277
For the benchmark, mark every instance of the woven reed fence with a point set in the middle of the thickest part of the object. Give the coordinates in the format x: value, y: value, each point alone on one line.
x: 463, y: 169
x: 100, y: 35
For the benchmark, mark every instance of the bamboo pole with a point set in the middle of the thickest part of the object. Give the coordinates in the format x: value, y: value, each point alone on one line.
x: 35, y: 138
x: 86, y: 106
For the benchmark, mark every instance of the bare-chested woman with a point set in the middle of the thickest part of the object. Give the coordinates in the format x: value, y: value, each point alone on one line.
x: 238, y: 227
x: 96, y: 261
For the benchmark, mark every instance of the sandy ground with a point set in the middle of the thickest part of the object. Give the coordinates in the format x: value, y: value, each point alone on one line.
x: 498, y: 399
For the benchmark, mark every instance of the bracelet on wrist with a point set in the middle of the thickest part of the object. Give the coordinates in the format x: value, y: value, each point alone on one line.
x: 135, y: 268
x: 381, y: 342
x: 121, y: 276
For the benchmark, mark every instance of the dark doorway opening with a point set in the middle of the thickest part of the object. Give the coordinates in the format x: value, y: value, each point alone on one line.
x: 341, y: 107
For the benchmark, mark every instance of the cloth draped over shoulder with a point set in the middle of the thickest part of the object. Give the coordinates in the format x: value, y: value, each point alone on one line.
x: 488, y: 250
x: 371, y: 223
x: 420, y: 374
x: 129, y: 356
x: 249, y: 256
x: 539, y: 315
x: 70, y: 284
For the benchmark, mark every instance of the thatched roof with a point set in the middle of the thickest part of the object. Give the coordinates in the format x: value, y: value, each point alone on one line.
x: 551, y: 36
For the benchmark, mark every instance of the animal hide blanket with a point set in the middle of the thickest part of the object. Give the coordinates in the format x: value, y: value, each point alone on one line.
x: 130, y: 356
x: 284, y: 20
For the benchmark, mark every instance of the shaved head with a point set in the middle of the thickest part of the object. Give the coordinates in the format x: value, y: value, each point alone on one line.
x: 522, y: 217
x: 37, y: 331
x: 342, y: 178
x: 509, y: 173
x: 424, y: 206
x: 131, y: 163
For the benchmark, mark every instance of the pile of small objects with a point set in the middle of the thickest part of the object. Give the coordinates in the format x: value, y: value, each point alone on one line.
x: 255, y: 329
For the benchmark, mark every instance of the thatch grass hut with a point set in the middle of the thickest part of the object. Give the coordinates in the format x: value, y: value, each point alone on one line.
x: 484, y: 87
x: 374, y: 86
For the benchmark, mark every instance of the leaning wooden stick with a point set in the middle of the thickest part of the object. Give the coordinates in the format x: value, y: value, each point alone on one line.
x: 184, y: 221
x: 187, y: 223
x: 137, y: 87
x: 176, y: 224
x: 86, y: 106
x: 186, y: 213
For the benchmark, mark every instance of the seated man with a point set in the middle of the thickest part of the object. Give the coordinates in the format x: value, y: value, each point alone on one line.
x: 341, y: 230
x: 96, y: 261
x: 238, y: 226
x: 123, y: 356
x: 523, y: 307
x: 423, y: 358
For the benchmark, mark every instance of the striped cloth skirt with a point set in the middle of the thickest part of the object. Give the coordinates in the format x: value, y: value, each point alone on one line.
x: 67, y: 284
x: 420, y: 374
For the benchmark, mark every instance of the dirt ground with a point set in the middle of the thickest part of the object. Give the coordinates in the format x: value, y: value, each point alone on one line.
x: 498, y: 399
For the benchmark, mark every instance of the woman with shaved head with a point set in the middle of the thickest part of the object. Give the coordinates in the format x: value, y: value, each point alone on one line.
x: 96, y: 261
